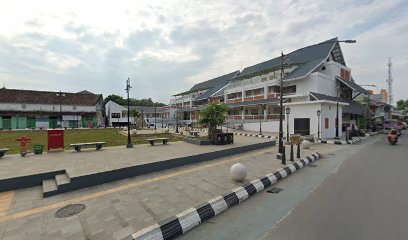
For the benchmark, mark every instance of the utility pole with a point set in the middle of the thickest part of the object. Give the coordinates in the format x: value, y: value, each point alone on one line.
x: 389, y: 81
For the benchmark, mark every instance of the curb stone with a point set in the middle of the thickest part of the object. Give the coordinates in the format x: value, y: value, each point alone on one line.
x: 353, y: 141
x: 252, y: 135
x: 181, y: 223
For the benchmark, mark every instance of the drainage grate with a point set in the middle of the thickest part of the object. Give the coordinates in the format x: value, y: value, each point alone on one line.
x: 275, y: 190
x: 311, y: 165
x: 69, y: 210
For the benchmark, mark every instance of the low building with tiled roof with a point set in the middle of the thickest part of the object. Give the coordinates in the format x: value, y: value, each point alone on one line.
x: 20, y: 109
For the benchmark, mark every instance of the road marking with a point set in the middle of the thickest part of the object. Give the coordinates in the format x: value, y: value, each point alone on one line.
x: 6, y: 198
x: 33, y: 211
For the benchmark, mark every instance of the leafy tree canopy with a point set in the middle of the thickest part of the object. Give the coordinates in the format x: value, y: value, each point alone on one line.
x: 213, y: 116
x: 148, y: 102
x: 402, y: 105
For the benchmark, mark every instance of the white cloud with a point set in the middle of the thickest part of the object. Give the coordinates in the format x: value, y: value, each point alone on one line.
x: 96, y: 45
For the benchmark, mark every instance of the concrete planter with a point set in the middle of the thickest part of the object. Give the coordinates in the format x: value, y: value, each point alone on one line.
x: 196, y: 141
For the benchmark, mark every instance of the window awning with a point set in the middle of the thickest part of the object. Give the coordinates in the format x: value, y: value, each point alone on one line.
x: 354, y: 86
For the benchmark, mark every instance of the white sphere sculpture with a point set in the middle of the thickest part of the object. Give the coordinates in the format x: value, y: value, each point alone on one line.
x: 238, y: 172
x: 273, y: 138
x: 306, y: 144
x: 133, y: 131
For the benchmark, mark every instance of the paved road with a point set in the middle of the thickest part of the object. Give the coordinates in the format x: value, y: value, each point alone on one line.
x: 360, y: 193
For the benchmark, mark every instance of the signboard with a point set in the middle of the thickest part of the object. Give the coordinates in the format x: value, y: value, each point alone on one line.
x: 296, y: 139
x: 55, y: 138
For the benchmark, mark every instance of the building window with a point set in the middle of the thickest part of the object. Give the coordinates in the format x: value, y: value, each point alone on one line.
x: 344, y: 74
x: 115, y: 115
x: 326, y: 123
x: 124, y: 113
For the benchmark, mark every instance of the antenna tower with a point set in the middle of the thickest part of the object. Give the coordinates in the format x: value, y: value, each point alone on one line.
x: 389, y: 81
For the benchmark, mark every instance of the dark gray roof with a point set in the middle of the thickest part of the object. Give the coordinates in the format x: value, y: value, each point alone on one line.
x: 351, y: 84
x: 353, y: 107
x: 254, y: 102
x: 307, y: 59
x: 215, y: 83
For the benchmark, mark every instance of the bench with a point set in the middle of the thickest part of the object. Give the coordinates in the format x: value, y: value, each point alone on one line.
x: 3, y: 151
x: 152, y: 140
x: 78, y: 146
x: 194, y: 133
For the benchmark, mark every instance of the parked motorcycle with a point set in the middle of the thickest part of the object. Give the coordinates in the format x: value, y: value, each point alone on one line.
x: 393, y: 137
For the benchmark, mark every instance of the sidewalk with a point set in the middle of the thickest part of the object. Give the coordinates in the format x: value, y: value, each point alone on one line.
x: 130, y: 204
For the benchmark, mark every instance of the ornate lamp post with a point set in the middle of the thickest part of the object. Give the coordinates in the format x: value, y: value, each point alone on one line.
x: 318, y: 123
x: 287, y: 110
x: 129, y: 143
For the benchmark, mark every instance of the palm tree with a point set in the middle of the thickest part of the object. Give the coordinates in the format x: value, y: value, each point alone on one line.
x: 213, y: 116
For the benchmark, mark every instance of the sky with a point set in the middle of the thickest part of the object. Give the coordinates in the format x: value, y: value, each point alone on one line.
x: 165, y: 47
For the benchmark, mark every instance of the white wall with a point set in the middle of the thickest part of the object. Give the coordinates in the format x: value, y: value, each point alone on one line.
x: 267, y: 126
x: 310, y: 111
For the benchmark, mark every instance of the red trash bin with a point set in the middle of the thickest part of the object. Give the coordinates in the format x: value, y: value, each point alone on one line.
x: 55, y: 139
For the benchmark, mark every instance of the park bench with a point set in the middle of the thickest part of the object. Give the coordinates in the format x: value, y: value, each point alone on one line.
x: 3, y: 151
x: 152, y: 140
x: 78, y: 146
x: 194, y: 133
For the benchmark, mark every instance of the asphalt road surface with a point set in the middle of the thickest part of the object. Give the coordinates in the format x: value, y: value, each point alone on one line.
x: 361, y: 192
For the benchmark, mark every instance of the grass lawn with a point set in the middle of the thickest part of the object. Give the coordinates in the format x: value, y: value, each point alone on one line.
x: 110, y: 136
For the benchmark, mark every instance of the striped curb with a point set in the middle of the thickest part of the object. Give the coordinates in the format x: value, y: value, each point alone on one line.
x: 253, y: 135
x: 179, y: 224
x: 353, y: 141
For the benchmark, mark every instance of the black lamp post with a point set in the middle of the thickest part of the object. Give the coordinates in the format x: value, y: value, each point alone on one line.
x: 155, y: 117
x: 142, y: 118
x: 177, y: 130
x: 280, y: 147
x: 287, y: 110
x: 318, y: 123
x: 260, y: 119
x: 129, y: 143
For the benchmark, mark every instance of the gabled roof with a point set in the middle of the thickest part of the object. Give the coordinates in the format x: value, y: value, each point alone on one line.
x: 213, y: 84
x: 45, y: 97
x: 307, y: 59
x: 353, y: 107
x: 351, y: 84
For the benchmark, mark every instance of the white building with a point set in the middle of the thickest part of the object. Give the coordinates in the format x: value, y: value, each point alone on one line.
x: 314, y: 78
x: 117, y: 115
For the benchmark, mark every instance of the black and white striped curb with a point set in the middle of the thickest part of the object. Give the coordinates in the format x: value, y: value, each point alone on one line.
x: 181, y: 223
x: 353, y: 141
x: 253, y: 135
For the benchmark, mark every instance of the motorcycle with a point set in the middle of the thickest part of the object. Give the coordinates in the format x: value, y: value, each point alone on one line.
x: 393, y: 137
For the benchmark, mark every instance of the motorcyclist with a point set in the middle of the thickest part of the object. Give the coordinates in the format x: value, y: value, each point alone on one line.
x: 393, y: 136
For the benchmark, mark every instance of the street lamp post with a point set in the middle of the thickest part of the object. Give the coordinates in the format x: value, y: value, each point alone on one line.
x: 60, y: 94
x: 142, y: 119
x: 129, y: 143
x: 260, y: 119
x: 177, y: 130
x: 281, y: 114
x: 281, y: 98
x: 155, y: 117
x: 287, y: 123
x: 318, y: 123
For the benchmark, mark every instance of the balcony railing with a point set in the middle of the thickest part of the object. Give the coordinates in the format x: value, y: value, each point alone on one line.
x: 254, y: 117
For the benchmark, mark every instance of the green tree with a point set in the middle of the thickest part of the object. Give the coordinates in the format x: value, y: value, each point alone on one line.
x: 402, y: 105
x: 213, y: 116
x: 135, y: 114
